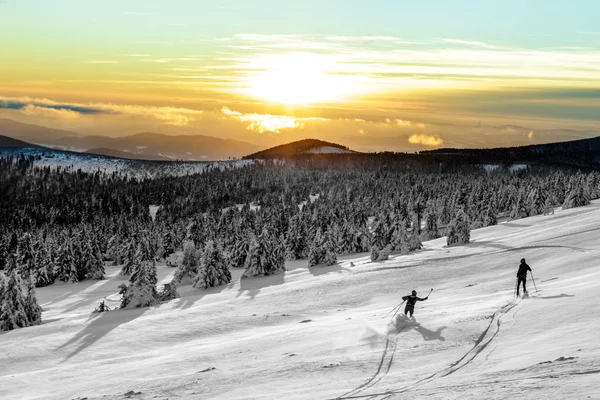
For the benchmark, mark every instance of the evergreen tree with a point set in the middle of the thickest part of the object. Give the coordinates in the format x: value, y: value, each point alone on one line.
x: 33, y: 311
x: 431, y: 227
x: 187, y: 271
x: 65, y: 268
x: 459, y: 231
x: 169, y: 291
x: 13, y: 312
x: 576, y: 197
x: 213, y: 270
x: 264, y: 256
x: 141, y: 291
x: 239, y: 251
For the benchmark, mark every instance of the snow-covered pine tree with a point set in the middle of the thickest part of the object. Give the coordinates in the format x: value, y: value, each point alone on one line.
x: 141, y: 291
x: 265, y: 257
x: 374, y: 253
x: 169, y: 291
x: 33, y: 311
x: 431, y: 227
x: 46, y: 267
x: 239, y: 250
x: 65, y: 268
x: 295, y: 239
x: 25, y: 257
x: 315, y: 250
x: 213, y: 269
x: 576, y: 197
x: 330, y: 257
x: 489, y: 216
x: 458, y: 230
x: 187, y: 271
x: 13, y: 313
x: 131, y: 258
x: 414, y: 243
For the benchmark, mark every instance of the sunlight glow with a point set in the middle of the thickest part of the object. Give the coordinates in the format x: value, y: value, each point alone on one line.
x: 298, y: 79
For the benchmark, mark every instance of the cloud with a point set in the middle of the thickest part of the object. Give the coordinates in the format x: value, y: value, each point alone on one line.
x: 262, y: 123
x: 426, y: 140
x: 44, y: 107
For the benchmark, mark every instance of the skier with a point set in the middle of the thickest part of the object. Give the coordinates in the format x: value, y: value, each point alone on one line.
x: 522, y: 276
x: 410, y: 303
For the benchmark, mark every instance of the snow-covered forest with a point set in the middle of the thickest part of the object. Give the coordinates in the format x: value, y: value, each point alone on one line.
x: 196, y: 324
x: 65, y: 225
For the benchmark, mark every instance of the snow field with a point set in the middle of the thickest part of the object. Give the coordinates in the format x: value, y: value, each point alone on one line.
x: 319, y: 333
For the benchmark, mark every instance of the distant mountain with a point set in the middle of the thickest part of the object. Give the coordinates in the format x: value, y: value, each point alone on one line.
x: 32, y: 133
x: 147, y: 145
x: 301, y: 147
x: 123, y: 154
x: 6, y: 141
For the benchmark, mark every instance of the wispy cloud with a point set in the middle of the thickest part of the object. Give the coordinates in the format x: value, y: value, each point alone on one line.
x: 48, y: 108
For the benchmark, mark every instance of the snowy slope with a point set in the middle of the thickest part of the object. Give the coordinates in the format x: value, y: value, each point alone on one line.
x: 329, y: 150
x: 135, y: 168
x: 322, y: 334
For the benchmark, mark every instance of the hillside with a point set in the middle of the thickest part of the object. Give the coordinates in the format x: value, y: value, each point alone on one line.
x: 581, y: 153
x: 299, y: 148
x: 9, y: 142
x: 32, y: 133
x: 124, y: 154
x: 323, y: 333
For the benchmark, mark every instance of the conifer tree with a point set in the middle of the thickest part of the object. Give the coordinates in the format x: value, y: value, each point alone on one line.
x: 169, y: 291
x: 141, y: 291
x: 576, y: 197
x: 265, y: 257
x: 213, y: 269
x: 239, y: 251
x: 13, y: 312
x: 458, y: 231
x: 33, y: 311
x: 65, y: 268
x: 187, y: 271
x: 431, y: 227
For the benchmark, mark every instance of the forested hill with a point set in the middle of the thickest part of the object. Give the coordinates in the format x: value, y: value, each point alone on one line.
x: 579, y: 153
x: 6, y: 141
x: 299, y: 148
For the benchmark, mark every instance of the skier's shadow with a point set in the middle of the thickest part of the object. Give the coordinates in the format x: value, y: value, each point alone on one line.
x: 427, y: 334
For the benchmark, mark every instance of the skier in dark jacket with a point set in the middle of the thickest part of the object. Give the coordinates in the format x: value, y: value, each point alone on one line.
x: 411, y: 300
x: 522, y: 276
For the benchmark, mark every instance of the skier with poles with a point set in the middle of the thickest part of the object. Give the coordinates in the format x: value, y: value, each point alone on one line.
x: 522, y: 276
x: 411, y: 300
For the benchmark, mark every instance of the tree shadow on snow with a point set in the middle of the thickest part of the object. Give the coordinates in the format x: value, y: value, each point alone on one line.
x: 250, y: 287
x: 322, y: 269
x: 560, y: 296
x: 101, y: 325
x: 190, y: 295
x: 487, y: 243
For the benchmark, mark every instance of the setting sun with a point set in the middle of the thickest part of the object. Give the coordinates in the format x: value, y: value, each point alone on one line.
x: 298, y: 79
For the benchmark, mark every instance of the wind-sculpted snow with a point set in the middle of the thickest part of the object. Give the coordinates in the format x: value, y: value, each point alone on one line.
x: 328, y: 333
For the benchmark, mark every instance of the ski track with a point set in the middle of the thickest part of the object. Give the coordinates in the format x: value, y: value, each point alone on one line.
x: 486, y: 337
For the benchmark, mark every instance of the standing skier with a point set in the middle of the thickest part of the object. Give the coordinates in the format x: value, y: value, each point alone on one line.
x: 522, y: 276
x: 411, y: 301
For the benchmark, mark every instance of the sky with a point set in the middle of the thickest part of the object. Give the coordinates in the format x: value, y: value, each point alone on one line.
x: 393, y: 74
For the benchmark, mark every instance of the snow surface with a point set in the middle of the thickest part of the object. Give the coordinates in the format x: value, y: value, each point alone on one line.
x: 323, y: 333
x: 328, y: 150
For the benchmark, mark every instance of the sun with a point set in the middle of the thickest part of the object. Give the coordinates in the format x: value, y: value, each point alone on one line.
x: 296, y: 79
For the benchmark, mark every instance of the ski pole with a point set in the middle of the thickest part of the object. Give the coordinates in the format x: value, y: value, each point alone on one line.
x: 516, y: 287
x: 533, y: 281
x: 397, y: 307
x: 429, y: 293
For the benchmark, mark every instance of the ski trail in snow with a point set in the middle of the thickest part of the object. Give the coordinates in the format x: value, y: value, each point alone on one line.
x: 486, y: 337
x: 385, y: 364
